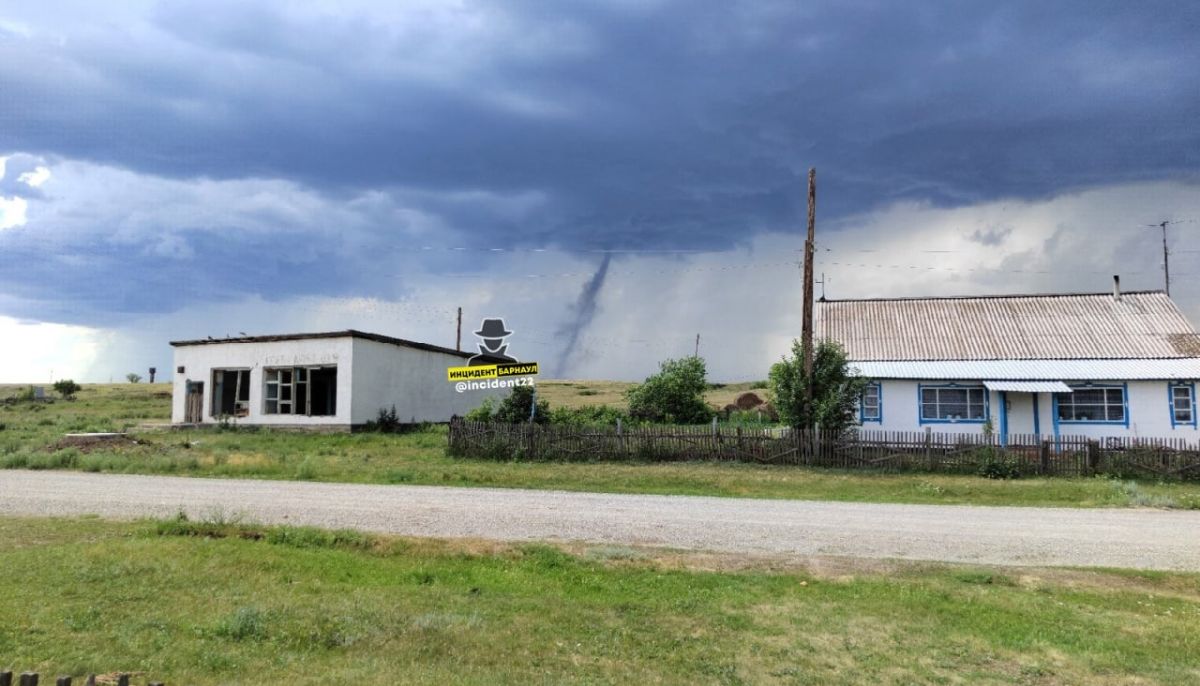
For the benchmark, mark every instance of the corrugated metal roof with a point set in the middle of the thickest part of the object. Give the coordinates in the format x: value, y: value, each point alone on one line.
x: 1028, y: 386
x: 1033, y: 370
x: 1144, y: 324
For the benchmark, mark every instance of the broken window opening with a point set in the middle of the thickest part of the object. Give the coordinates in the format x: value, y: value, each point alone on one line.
x: 309, y: 391
x: 231, y: 393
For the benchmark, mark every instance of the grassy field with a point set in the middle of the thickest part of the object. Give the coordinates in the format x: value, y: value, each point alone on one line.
x: 586, y: 393
x: 32, y: 437
x: 251, y: 605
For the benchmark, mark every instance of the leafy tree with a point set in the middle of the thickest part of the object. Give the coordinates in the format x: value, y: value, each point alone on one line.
x: 835, y: 389
x: 133, y: 378
x: 66, y: 388
x: 674, y: 395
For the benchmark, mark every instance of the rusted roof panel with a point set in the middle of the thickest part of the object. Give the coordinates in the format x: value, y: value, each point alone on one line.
x: 1141, y: 324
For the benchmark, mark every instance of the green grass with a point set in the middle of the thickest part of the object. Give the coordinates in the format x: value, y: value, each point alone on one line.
x: 240, y: 604
x: 33, y: 438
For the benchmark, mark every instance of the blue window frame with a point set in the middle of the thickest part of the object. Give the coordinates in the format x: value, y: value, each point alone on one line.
x: 1093, y: 404
x: 1183, y: 404
x: 952, y: 403
x: 870, y: 403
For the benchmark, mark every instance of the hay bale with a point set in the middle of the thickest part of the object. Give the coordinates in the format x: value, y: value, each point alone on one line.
x: 748, y: 401
x: 728, y: 410
x: 768, y: 411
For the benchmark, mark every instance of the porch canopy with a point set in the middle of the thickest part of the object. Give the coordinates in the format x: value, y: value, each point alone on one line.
x: 1028, y: 386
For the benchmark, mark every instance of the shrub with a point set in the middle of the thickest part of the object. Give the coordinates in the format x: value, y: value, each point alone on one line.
x: 483, y: 413
x: 133, y: 378
x: 521, y: 405
x: 588, y: 416
x: 835, y: 390
x: 994, y: 466
x: 66, y: 388
x: 751, y: 418
x: 385, y: 421
x: 674, y: 395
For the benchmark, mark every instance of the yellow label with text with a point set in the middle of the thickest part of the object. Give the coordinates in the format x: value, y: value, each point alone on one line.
x: 491, y: 371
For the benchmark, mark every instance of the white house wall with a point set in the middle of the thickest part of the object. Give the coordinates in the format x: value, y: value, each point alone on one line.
x: 199, y: 361
x: 412, y: 380
x: 1147, y: 407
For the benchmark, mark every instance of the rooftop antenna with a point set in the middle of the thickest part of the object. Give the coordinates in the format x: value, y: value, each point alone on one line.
x: 822, y: 282
x: 1166, y: 252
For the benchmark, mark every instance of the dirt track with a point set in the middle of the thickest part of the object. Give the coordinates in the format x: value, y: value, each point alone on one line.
x: 1146, y: 539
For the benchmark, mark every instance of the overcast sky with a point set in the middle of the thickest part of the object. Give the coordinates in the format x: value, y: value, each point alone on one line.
x: 183, y: 169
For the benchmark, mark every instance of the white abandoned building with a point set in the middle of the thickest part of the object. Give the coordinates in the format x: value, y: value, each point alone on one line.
x: 336, y: 380
x: 1094, y: 365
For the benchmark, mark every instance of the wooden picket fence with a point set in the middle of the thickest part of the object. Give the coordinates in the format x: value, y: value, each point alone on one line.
x: 31, y: 679
x: 893, y: 451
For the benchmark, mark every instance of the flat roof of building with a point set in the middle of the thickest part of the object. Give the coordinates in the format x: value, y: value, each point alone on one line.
x: 348, y: 333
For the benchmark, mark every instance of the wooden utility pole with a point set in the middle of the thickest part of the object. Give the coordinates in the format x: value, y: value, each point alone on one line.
x: 458, y: 335
x: 806, y: 335
x: 697, y: 354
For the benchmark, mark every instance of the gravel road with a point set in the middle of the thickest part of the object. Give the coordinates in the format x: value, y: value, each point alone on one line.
x: 1132, y: 538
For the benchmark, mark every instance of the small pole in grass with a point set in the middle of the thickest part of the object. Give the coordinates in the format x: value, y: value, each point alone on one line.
x: 29, y: 678
x: 63, y: 681
x: 929, y: 448
x: 6, y: 678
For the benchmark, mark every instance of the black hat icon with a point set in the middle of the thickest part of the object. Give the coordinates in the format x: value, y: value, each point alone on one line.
x: 493, y: 328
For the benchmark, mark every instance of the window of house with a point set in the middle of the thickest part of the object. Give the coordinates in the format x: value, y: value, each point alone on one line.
x: 1092, y: 404
x: 953, y: 403
x: 870, y: 407
x: 1183, y: 404
x: 231, y: 392
x: 309, y: 391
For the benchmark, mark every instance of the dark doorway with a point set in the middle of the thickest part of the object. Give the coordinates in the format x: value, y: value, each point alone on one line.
x: 323, y: 391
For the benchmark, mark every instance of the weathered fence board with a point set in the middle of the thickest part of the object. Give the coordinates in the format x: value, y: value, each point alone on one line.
x: 858, y: 449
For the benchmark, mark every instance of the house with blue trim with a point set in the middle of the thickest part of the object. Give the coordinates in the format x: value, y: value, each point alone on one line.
x: 1094, y: 364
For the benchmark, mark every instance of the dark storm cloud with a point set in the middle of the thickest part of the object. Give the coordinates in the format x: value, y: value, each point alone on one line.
x: 647, y: 125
